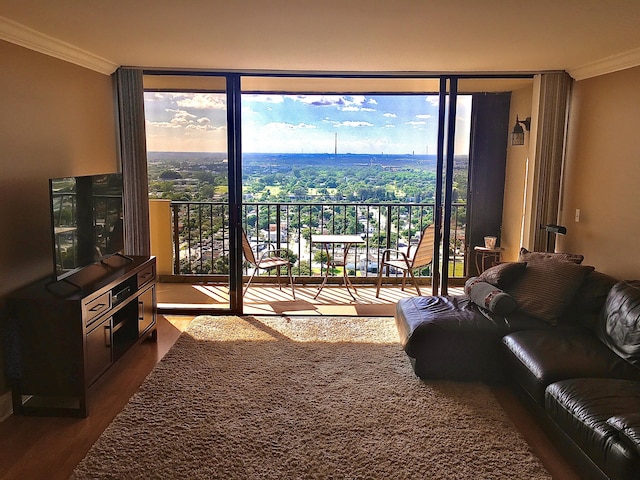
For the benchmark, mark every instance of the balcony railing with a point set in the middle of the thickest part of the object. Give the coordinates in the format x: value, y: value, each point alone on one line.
x: 201, y: 233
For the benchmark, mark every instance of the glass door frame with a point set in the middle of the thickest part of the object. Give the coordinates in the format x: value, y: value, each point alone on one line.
x: 444, y: 181
x: 234, y: 169
x: 234, y: 138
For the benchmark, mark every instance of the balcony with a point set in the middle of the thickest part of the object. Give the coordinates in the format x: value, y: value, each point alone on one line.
x: 193, y: 264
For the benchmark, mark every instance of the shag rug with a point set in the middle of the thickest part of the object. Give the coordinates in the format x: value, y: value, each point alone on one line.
x: 304, y: 398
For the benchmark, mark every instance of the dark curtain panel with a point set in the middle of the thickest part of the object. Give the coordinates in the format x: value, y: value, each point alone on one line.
x: 133, y: 151
x: 552, y: 124
x: 487, y: 163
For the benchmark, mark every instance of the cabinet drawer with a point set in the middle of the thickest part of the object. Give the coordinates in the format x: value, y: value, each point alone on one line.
x: 97, y: 307
x: 146, y: 275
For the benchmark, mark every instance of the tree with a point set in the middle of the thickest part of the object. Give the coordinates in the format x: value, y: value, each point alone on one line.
x: 221, y: 265
x: 379, y: 240
x: 170, y: 175
x: 320, y: 256
x: 304, y: 268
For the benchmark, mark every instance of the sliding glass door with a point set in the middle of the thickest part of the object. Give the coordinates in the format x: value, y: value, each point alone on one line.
x: 191, y: 188
x: 365, y: 156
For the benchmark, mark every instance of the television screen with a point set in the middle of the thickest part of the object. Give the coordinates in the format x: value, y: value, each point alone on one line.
x: 87, y: 221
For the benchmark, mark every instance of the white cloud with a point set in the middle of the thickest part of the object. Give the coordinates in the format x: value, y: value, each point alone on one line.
x: 181, y: 116
x: 357, y: 109
x: 205, y: 127
x: 425, y: 116
x: 163, y: 124
x: 354, y: 124
x: 390, y: 115
x: 214, y: 101
x: 263, y: 98
x: 433, y: 100
x: 155, y: 97
x: 341, y: 101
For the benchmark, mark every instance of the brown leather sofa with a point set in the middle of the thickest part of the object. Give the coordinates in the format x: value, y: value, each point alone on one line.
x: 581, y: 370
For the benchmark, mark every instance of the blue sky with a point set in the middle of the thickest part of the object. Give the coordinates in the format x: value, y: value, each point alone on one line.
x: 373, y: 124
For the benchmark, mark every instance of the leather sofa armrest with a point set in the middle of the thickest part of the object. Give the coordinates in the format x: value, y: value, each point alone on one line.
x: 628, y: 426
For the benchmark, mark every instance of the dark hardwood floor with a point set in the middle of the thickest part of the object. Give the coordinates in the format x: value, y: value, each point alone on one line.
x: 46, y: 447
x: 529, y: 426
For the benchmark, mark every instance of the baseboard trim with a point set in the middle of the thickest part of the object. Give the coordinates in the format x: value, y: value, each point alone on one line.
x: 6, y: 406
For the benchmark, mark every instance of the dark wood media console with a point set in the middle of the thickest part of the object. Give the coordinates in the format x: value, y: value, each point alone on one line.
x: 63, y: 336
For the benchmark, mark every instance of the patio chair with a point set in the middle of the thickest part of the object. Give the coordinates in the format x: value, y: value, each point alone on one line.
x: 421, y: 257
x: 270, y: 259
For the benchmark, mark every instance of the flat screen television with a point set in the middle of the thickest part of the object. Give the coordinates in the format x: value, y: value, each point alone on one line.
x: 86, y: 220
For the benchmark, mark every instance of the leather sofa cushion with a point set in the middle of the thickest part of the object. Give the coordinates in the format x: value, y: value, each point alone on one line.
x: 581, y: 407
x: 628, y: 426
x: 450, y: 337
x: 419, y: 318
x: 621, y: 320
x: 540, y: 357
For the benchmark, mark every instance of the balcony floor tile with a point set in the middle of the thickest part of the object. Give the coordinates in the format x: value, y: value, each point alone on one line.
x: 270, y: 300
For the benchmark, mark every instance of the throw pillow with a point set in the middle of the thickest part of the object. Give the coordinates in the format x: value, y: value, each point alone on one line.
x: 527, y: 256
x: 503, y: 275
x: 593, y: 292
x: 489, y: 296
x: 547, y: 288
x: 589, y: 300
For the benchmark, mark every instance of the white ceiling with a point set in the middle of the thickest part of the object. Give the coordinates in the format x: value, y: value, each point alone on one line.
x: 584, y: 37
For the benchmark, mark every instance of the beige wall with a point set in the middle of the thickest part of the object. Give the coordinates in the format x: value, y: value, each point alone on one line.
x: 56, y: 119
x: 603, y: 174
x: 515, y: 177
x: 161, y: 232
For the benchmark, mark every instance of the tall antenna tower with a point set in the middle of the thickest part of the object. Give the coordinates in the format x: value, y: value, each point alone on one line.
x: 335, y: 144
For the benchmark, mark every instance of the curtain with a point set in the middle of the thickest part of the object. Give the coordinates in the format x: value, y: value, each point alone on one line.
x: 133, y: 153
x: 549, y: 157
x: 487, y: 165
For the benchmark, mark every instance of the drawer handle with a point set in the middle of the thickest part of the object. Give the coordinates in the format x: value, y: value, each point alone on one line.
x: 98, y: 307
x: 107, y: 336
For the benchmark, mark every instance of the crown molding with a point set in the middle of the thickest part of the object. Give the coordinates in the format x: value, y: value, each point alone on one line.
x: 26, y: 37
x: 610, y: 64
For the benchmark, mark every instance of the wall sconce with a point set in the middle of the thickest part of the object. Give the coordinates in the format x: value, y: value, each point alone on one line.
x: 517, y: 136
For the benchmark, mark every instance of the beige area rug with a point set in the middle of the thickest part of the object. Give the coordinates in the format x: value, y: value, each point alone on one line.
x: 304, y: 398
